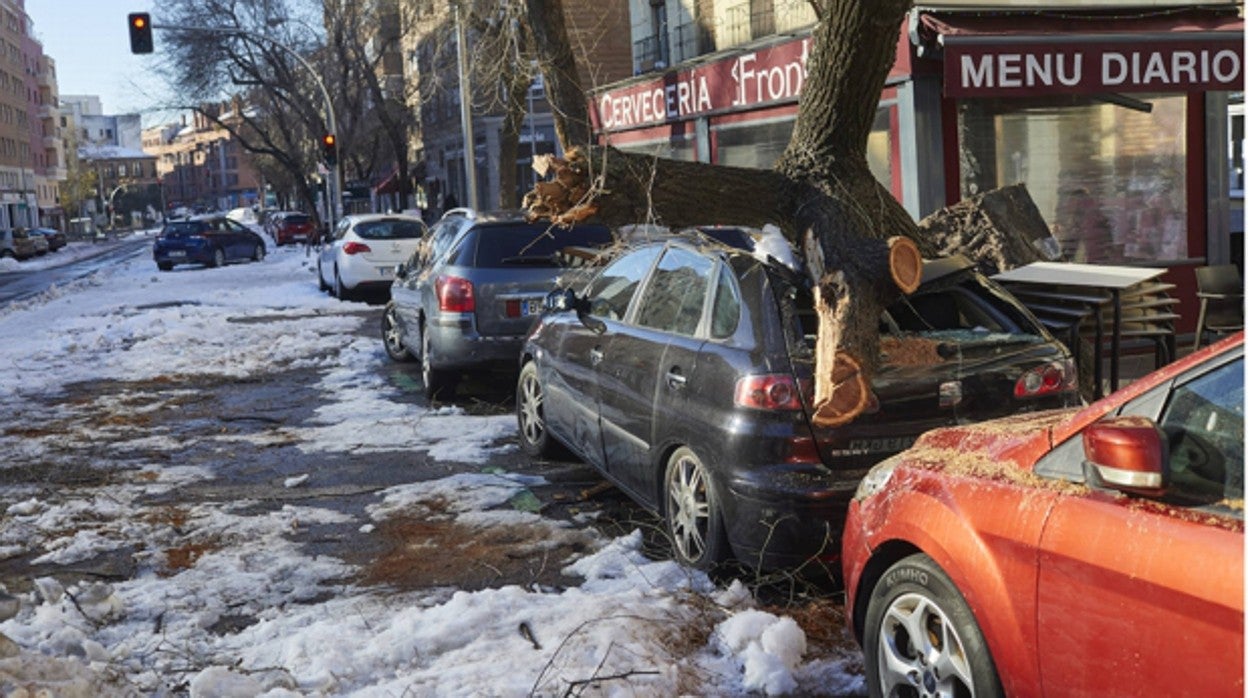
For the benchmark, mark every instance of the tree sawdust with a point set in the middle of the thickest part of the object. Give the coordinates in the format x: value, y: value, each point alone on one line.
x: 909, y: 351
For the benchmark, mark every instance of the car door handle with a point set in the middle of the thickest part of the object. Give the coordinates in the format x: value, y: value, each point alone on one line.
x: 595, y: 357
x: 675, y: 381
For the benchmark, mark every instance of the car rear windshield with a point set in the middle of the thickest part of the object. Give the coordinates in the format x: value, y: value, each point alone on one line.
x: 389, y: 229
x: 294, y: 219
x: 182, y: 229
x: 959, y: 308
x: 533, y: 245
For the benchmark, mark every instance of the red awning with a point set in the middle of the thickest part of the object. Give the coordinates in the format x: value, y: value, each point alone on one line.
x: 389, y: 185
x: 1040, y: 52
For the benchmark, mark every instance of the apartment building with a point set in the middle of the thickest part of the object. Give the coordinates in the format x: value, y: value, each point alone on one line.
x: 31, y: 154
x: 200, y: 165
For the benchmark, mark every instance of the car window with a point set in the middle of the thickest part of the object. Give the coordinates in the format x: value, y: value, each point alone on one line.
x: 676, y: 292
x: 294, y: 219
x: 179, y: 229
x: 613, y: 289
x: 235, y: 226
x: 726, y: 312
x: 522, y: 244
x: 958, y: 304
x: 389, y: 229
x: 443, y: 235
x: 343, y: 226
x: 1204, y: 423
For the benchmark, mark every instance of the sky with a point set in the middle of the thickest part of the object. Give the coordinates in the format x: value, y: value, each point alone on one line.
x: 131, y: 322
x: 90, y: 42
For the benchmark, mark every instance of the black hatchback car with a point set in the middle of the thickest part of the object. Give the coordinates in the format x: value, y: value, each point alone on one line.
x: 208, y: 240
x: 683, y: 372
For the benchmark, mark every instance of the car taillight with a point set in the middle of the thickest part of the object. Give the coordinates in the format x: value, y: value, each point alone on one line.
x: 1053, y: 377
x: 355, y: 248
x: 772, y: 391
x: 455, y: 295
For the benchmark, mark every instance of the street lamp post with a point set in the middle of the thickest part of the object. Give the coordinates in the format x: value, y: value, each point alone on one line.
x: 465, y: 110
x: 333, y: 206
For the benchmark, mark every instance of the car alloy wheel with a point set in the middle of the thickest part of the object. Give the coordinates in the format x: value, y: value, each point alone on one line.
x: 339, y: 292
x: 257, y: 255
x: 392, y: 335
x: 535, y: 440
x: 218, y: 257
x: 921, y: 638
x: 692, y: 512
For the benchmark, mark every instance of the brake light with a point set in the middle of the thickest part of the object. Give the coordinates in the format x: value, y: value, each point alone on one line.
x: 355, y: 248
x: 1053, y: 377
x: 455, y: 295
x: 771, y: 391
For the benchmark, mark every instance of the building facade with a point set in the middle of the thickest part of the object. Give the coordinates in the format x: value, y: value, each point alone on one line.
x: 1124, y: 120
x: 31, y: 156
x: 200, y: 165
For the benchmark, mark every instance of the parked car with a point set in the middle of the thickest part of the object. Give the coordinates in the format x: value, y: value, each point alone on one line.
x: 18, y: 243
x: 683, y: 373
x: 1087, y: 553
x: 363, y: 252
x: 291, y: 227
x: 42, y: 246
x: 56, y: 239
x: 212, y: 240
x: 467, y: 299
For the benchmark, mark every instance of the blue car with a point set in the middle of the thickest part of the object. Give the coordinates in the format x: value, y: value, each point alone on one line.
x: 209, y: 240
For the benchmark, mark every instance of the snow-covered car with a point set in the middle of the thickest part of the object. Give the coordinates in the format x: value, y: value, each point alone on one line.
x: 364, y: 250
x: 19, y: 244
x: 56, y: 239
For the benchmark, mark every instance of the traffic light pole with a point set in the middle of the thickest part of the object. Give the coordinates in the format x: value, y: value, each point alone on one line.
x: 333, y: 203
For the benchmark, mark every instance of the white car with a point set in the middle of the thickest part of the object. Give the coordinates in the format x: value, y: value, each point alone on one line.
x: 364, y: 250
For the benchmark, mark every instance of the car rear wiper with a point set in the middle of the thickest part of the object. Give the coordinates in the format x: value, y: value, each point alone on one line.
x: 549, y: 260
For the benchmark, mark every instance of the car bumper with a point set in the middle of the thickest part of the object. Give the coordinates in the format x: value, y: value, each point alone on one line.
x: 358, y: 273
x: 456, y: 345
x: 187, y: 257
x: 788, y: 516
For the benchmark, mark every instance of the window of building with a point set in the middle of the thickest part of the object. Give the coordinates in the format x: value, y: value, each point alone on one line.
x: 1109, y: 176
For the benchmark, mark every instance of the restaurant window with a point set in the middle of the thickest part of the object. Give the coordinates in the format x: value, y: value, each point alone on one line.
x: 678, y: 147
x: 1108, y: 173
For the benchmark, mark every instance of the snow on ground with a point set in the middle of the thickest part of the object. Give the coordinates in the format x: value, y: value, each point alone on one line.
x: 658, y: 628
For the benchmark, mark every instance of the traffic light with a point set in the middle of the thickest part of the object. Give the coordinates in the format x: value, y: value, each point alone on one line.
x: 330, y: 145
x: 140, y: 32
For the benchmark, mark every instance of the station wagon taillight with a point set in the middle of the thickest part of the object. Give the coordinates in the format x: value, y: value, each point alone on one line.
x: 355, y: 248
x: 770, y: 391
x: 1053, y: 377
x: 455, y: 295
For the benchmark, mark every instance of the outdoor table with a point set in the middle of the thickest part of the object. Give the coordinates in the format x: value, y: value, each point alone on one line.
x: 1087, y: 283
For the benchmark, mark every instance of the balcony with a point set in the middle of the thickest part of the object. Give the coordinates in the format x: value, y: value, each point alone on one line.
x: 651, y: 53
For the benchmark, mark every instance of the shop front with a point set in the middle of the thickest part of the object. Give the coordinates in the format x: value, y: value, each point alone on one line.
x: 1117, y: 121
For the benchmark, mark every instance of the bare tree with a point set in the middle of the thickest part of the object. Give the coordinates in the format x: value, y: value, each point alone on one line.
x: 860, y: 247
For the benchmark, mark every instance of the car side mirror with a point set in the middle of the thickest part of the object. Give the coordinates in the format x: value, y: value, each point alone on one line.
x: 1129, y: 454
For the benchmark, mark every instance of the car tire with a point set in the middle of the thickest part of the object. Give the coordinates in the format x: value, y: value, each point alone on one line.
x: 917, y: 624
x: 392, y: 335
x: 218, y: 257
x: 320, y: 279
x: 535, y: 438
x: 692, y: 512
x: 339, y: 291
x: 164, y: 266
x: 438, y: 383
x: 257, y: 255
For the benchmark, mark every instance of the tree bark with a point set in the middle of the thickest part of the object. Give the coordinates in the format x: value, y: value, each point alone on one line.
x: 564, y: 90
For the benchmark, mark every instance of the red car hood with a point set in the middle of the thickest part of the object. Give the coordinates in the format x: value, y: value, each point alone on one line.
x: 985, y: 447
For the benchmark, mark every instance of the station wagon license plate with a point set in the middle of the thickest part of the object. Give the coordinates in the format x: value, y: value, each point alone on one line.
x: 530, y: 306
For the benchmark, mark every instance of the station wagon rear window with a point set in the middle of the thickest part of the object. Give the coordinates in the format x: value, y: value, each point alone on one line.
x: 531, y: 245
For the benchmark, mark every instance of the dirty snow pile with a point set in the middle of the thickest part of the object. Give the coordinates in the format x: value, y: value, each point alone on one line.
x: 633, y: 626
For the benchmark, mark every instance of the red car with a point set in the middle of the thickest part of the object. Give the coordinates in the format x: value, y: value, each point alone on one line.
x: 1096, y: 552
x: 292, y: 228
